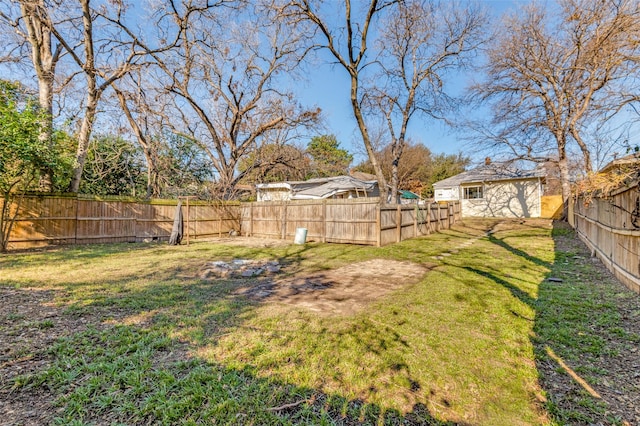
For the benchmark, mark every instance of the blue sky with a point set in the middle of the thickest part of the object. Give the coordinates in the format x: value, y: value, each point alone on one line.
x: 327, y: 86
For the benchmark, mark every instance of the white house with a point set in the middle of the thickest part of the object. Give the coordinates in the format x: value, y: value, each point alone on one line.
x: 495, y: 190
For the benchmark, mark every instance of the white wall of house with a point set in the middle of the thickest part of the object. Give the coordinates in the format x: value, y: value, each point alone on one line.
x: 273, y: 194
x: 516, y: 198
x: 447, y: 194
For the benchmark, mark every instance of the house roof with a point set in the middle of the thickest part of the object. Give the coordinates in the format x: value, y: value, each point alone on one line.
x: 321, y: 187
x: 491, y: 173
x: 408, y: 195
x: 622, y: 161
x: 327, y: 187
x: 363, y: 176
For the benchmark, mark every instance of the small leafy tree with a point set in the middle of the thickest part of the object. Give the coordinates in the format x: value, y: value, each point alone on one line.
x: 22, y: 154
x: 328, y: 159
x: 183, y: 167
x: 114, y: 166
x: 444, y: 166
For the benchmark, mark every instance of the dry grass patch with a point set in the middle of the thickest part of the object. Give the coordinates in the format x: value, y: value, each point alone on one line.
x: 342, y: 291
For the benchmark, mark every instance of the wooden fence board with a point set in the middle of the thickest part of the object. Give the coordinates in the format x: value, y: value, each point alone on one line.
x: 43, y: 220
x: 611, y: 229
x: 361, y: 221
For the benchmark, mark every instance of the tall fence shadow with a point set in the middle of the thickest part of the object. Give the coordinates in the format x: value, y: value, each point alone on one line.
x: 578, y: 330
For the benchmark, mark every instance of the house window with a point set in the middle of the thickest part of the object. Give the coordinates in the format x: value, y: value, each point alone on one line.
x: 473, y: 192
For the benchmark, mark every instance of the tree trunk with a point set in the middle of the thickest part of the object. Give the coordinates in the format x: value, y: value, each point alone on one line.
x: 586, y: 154
x: 565, y: 178
x: 382, y: 183
x: 45, y: 98
x: 44, y: 60
x: 93, y: 95
x: 83, y: 142
x: 153, y: 189
x: 394, y: 183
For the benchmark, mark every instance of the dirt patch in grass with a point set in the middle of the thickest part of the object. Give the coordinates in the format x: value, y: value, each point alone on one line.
x: 342, y: 291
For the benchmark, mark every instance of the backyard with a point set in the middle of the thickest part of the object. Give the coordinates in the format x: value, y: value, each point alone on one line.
x: 489, y: 323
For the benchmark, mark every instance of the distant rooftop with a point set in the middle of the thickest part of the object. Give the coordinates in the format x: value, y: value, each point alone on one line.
x: 622, y: 161
x: 491, y: 173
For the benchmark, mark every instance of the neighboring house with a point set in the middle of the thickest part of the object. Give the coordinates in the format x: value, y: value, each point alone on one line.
x: 495, y: 190
x: 318, y: 189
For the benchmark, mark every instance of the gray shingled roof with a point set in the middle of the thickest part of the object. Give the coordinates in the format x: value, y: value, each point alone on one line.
x: 490, y: 173
x: 332, y: 186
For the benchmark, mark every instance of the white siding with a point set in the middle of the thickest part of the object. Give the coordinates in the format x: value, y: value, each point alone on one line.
x: 447, y: 194
x: 273, y: 194
x: 517, y: 198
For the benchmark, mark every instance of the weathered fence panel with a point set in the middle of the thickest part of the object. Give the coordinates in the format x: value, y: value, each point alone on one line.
x: 351, y: 221
x: 359, y: 221
x: 43, y: 220
x: 59, y: 219
x: 105, y: 222
x: 611, y: 228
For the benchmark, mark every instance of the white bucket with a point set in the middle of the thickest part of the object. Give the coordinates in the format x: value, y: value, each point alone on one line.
x: 301, y: 236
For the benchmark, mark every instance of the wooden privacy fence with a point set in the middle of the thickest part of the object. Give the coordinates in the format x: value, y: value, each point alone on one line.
x: 42, y: 220
x: 57, y: 219
x: 611, y: 228
x: 354, y: 221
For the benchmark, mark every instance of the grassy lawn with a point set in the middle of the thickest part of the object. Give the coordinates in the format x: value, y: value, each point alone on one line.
x: 140, y: 338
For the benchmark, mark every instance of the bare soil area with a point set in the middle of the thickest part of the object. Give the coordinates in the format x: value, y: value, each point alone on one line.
x: 247, y: 241
x: 341, y: 291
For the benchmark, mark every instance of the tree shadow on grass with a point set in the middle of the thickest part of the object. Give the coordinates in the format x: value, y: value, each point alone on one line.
x: 135, y: 364
x: 572, y: 346
x: 517, y: 252
x: 137, y: 374
x: 516, y: 291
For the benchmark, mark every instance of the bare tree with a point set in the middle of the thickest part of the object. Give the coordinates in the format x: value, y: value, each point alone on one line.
x: 553, y: 77
x: 348, y: 44
x: 423, y: 43
x: 32, y: 23
x: 275, y: 163
x: 224, y: 79
x: 142, y: 118
x: 104, y: 56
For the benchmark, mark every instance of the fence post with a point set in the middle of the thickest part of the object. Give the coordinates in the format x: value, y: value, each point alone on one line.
x: 378, y: 225
x: 399, y: 223
x: 250, y: 219
x: 283, y: 231
x: 323, y: 237
x: 415, y: 220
